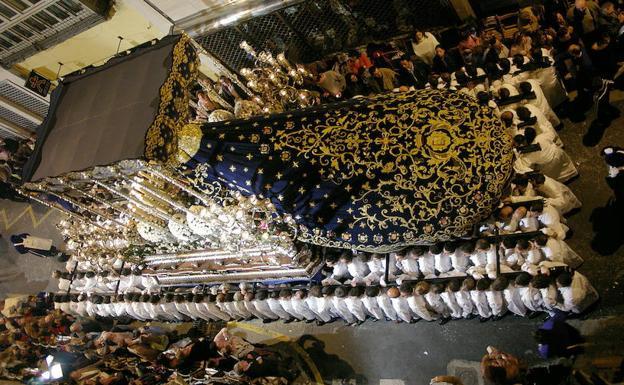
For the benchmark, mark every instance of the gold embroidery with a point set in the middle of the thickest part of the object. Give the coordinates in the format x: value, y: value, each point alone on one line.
x: 161, y: 140
x: 452, y: 160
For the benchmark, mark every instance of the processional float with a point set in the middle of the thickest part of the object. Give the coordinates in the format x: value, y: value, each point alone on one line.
x: 264, y: 197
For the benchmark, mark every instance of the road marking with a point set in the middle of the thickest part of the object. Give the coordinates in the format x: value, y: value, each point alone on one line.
x: 391, y: 382
x: 282, y: 337
x: 28, y: 210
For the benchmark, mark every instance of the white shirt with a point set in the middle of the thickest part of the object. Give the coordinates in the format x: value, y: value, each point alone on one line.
x: 402, y: 309
x: 356, y: 307
x: 372, y: 307
x: 385, y: 304
x: 513, y: 300
x: 579, y: 295
x: 287, y: 306
x: 426, y: 264
x: 418, y: 306
x: 443, y: 262
x: 437, y: 304
x: 251, y: 308
x: 409, y: 266
x: 340, y: 270
x: 465, y: 301
x: 481, y: 304
x: 549, y: 298
x: 276, y: 307
x: 460, y: 261
x: 451, y: 303
x: 322, y: 313
x: 531, y: 298
x: 341, y: 307
x: 357, y: 268
x: 495, y: 302
x: 242, y: 309
x: 263, y: 307
x: 215, y: 311
x: 301, y: 308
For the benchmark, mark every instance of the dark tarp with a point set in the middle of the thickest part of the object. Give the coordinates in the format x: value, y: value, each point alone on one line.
x: 100, y: 115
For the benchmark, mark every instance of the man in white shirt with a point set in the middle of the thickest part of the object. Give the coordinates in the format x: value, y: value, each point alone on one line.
x: 276, y: 307
x: 442, y: 260
x: 495, y: 298
x: 540, y: 101
x: 357, y: 269
x: 512, y: 297
x: 340, y: 294
x: 548, y: 291
x: 370, y: 303
x: 314, y: 300
x: 261, y: 304
x: 479, y: 298
x: 548, y: 217
x: 408, y: 264
x: 417, y: 302
x: 355, y: 304
x: 248, y: 301
x: 64, y: 279
x: 377, y: 266
x: 300, y: 306
x: 576, y: 291
x: 239, y: 305
x: 340, y: 271
x: 426, y: 260
x: 400, y: 304
x: 556, y: 193
x: 530, y: 296
x: 450, y: 300
x: 435, y: 301
x: 548, y: 159
x: 532, y: 256
x: 556, y: 250
x: 459, y: 261
x: 385, y: 303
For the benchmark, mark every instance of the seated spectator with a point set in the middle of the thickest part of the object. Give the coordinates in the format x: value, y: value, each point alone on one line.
x: 228, y: 90
x: 584, y: 16
x: 442, y: 62
x: 332, y: 82
x: 355, y: 86
x: 386, y: 76
x: 496, y: 50
x: 469, y: 40
x: 522, y: 45
x: 411, y: 75
x: 423, y: 46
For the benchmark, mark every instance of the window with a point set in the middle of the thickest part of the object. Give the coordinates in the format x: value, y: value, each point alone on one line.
x: 5, y: 44
x: 11, y: 36
x: 18, y: 29
x: 46, y: 18
x: 35, y: 24
x: 70, y: 6
x: 6, y: 11
x: 16, y: 4
x: 58, y: 12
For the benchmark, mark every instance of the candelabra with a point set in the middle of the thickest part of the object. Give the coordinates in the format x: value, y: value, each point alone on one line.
x: 276, y: 83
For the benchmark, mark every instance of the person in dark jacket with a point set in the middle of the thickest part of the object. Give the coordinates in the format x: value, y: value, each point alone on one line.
x: 443, y: 62
x: 556, y: 338
x: 413, y: 74
x: 25, y: 243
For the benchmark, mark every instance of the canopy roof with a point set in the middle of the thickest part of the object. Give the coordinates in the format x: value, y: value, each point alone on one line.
x: 100, y: 115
